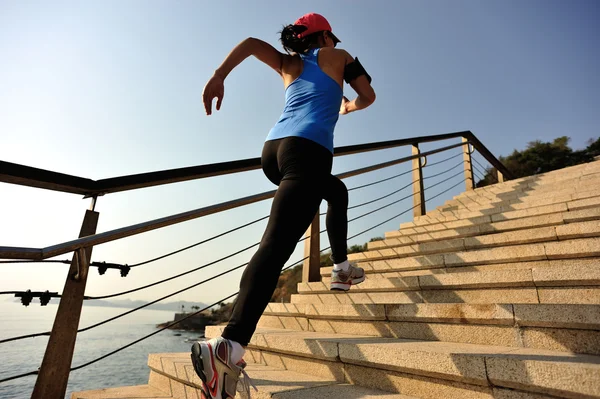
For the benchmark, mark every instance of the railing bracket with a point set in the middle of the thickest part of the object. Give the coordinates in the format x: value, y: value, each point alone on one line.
x: 103, y: 267
x: 80, y: 260
x: 27, y: 297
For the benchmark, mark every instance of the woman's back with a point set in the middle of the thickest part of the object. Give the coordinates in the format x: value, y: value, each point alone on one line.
x: 332, y: 62
x: 312, y: 99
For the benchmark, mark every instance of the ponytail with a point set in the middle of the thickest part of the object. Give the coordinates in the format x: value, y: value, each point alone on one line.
x: 292, y: 43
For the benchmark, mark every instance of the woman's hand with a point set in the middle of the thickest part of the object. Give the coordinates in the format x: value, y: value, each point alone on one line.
x: 343, y: 108
x: 214, y: 88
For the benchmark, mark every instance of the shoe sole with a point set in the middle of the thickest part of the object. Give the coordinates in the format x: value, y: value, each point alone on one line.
x: 198, y: 363
x: 346, y: 286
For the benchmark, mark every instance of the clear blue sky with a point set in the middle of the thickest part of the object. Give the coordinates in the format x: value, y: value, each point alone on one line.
x: 103, y: 89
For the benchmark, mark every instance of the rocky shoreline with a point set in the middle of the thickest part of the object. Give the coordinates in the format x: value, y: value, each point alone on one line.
x: 199, y: 321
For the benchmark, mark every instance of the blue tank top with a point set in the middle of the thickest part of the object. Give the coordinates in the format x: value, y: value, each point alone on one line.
x: 312, y: 105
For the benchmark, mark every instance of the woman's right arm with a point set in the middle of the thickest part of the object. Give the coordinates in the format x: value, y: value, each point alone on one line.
x: 362, y: 87
x: 250, y: 46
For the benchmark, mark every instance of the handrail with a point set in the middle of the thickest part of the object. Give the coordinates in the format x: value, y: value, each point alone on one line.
x: 40, y: 178
x: 111, y: 235
x: 488, y: 155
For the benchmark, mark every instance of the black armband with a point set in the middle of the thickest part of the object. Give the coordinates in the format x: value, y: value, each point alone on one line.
x: 354, y: 70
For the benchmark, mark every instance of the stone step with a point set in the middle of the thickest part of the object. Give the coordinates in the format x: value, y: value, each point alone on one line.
x: 546, y: 277
x: 468, y: 228
x: 533, y: 183
x: 538, y: 180
x: 386, y: 269
x: 583, y: 317
x: 532, y: 295
x: 587, y: 200
x: 524, y: 194
x: 481, y: 260
x: 131, y: 392
x: 426, y: 244
x: 478, y: 217
x: 548, y: 285
x: 491, y: 223
x: 392, y: 381
x: 380, y: 269
x: 407, y: 384
x: 589, y: 168
x: 464, y: 252
x: 529, y: 370
x: 571, y: 185
x: 455, y: 206
x: 174, y: 373
x: 475, y: 199
x: 447, y: 214
x: 572, y: 328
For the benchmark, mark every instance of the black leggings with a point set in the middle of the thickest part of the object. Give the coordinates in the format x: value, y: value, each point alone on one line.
x: 302, y: 170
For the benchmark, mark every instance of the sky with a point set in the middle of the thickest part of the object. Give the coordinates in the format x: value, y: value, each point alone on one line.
x: 111, y: 88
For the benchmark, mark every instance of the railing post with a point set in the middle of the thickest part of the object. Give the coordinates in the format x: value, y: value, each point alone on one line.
x: 418, y: 190
x: 469, y: 181
x: 54, y: 373
x: 311, y: 268
x: 500, y: 177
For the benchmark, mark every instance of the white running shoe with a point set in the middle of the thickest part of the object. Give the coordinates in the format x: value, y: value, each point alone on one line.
x: 212, y: 362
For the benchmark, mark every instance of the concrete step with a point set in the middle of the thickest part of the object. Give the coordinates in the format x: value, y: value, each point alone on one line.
x: 546, y: 277
x: 464, y: 252
x: 570, y: 185
x: 519, y: 202
x: 538, y: 182
x: 484, y: 366
x: 499, y: 222
x: 450, y: 213
x: 589, y: 168
x: 478, y: 217
x: 426, y: 244
x: 572, y: 328
x: 131, y: 392
x: 584, y: 317
x: 381, y: 269
x: 573, y: 183
x: 434, y: 265
x: 400, y: 383
x: 491, y: 195
x: 173, y: 372
x: 545, y: 295
x: 495, y: 192
x: 393, y: 381
x: 460, y: 210
x: 468, y: 228
x: 578, y: 284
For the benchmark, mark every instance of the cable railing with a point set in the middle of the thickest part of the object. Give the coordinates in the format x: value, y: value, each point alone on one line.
x: 63, y: 334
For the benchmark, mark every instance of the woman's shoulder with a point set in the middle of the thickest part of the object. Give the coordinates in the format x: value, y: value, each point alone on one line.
x: 337, y: 54
x: 291, y: 64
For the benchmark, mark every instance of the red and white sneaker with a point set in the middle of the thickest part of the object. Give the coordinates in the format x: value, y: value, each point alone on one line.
x: 220, y: 377
x: 342, y: 280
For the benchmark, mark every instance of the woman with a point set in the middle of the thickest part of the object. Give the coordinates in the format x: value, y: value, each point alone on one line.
x: 297, y: 156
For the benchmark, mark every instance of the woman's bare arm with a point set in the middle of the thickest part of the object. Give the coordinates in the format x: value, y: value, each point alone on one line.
x: 362, y: 87
x: 250, y: 46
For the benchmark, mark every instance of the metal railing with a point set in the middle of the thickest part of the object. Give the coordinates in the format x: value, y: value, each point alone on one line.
x: 54, y: 372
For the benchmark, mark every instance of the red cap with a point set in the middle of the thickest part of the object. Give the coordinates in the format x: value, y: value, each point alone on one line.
x: 315, y: 23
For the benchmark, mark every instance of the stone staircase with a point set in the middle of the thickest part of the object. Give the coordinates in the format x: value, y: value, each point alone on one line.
x: 495, y: 294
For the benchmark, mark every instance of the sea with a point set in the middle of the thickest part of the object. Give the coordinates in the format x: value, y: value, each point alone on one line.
x: 128, y: 367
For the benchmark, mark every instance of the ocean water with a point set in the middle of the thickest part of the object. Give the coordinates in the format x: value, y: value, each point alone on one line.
x: 127, y: 367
